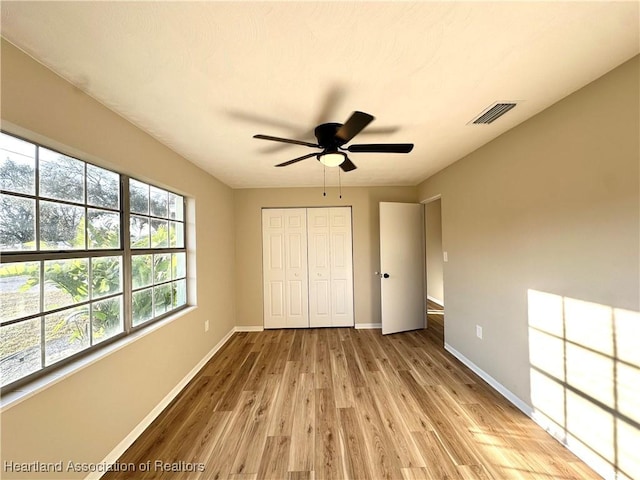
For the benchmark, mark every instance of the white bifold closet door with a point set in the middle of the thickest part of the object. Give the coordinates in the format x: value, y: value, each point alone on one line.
x: 284, y: 253
x: 307, y: 267
x: 330, y: 267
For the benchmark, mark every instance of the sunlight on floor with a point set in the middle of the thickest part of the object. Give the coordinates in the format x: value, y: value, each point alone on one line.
x: 585, y: 379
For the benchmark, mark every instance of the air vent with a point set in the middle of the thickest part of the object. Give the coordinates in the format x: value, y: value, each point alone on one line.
x: 493, y: 113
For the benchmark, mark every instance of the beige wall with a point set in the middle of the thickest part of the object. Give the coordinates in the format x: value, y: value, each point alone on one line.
x: 433, y: 236
x: 366, y: 242
x: 83, y: 417
x: 552, y: 206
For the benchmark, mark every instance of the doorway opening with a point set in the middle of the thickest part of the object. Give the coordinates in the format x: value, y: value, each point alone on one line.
x: 435, y: 257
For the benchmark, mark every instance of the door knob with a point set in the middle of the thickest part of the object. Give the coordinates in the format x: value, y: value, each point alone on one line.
x: 382, y: 275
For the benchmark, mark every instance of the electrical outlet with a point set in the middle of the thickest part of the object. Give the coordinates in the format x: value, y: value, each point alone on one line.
x: 206, y: 325
x: 445, y: 256
x: 479, y: 332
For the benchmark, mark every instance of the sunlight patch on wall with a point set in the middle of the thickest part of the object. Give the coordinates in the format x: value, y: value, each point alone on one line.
x: 628, y: 440
x: 585, y: 379
x: 590, y: 430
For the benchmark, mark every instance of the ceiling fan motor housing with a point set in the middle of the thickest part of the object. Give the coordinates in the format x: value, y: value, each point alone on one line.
x: 326, y: 135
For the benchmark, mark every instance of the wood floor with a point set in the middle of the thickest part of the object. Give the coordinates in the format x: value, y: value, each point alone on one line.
x: 345, y: 403
x: 435, y: 323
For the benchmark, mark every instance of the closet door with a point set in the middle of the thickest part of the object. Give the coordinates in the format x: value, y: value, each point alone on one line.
x: 319, y: 240
x: 341, y: 267
x: 284, y: 257
x: 330, y: 267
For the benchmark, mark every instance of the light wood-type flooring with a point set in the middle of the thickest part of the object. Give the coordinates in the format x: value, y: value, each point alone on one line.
x: 345, y: 403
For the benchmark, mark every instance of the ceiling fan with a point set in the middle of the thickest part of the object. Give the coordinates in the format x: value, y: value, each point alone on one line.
x: 331, y: 138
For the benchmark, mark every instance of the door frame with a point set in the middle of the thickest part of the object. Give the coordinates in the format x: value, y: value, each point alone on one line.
x: 426, y: 267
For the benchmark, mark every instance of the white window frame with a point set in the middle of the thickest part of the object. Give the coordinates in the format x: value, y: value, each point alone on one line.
x: 124, y: 251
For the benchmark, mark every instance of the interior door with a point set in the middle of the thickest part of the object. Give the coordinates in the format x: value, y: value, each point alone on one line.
x: 319, y: 254
x: 402, y: 267
x: 330, y: 267
x: 341, y: 267
x: 284, y: 253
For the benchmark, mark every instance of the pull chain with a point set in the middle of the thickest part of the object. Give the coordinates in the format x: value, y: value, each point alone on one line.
x: 339, y: 182
x: 324, y: 181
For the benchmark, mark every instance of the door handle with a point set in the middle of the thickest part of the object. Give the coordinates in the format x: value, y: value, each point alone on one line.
x: 382, y: 275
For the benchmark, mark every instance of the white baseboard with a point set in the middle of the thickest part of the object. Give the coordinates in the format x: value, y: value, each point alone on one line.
x: 249, y: 328
x: 367, y: 326
x: 435, y: 300
x: 586, y: 455
x: 122, y: 447
x: 501, y: 389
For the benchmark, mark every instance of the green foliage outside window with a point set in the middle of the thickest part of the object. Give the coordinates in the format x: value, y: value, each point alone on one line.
x: 72, y: 278
x: 56, y: 305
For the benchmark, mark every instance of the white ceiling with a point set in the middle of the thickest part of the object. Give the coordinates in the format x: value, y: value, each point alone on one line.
x: 204, y: 77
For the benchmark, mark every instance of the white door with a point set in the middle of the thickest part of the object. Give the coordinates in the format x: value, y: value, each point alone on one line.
x: 330, y: 267
x: 284, y: 256
x: 401, y: 267
x: 341, y: 267
x: 319, y: 256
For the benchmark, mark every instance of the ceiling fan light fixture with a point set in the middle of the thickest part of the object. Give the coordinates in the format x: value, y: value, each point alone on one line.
x: 331, y: 140
x: 332, y: 159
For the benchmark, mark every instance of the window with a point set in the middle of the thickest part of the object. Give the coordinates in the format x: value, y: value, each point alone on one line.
x: 78, y: 268
x: 158, y: 261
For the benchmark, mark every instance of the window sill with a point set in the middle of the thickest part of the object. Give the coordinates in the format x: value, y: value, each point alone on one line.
x: 24, y: 392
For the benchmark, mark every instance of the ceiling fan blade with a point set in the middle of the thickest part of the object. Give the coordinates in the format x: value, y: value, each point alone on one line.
x: 261, y: 119
x: 380, y: 130
x: 332, y: 99
x: 286, y: 140
x: 304, y: 157
x: 347, y: 165
x: 382, y: 147
x: 357, y: 121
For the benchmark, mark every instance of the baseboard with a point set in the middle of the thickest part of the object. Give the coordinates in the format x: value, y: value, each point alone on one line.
x: 601, y: 467
x: 497, y: 386
x: 367, y: 326
x: 122, y: 447
x: 435, y: 300
x: 249, y: 328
